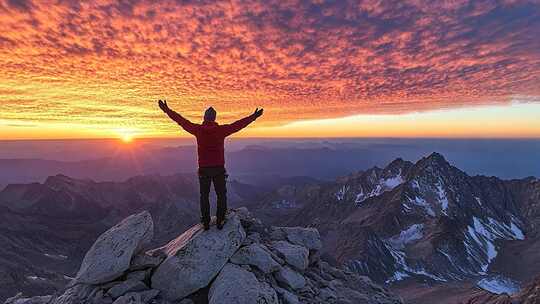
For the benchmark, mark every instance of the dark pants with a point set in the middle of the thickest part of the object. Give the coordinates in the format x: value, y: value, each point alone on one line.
x: 218, y: 176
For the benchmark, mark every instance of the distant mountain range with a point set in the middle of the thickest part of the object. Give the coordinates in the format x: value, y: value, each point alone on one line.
x: 413, y: 226
x: 256, y: 160
x: 427, y: 222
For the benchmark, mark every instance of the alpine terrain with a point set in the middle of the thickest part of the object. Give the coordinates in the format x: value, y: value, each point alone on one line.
x: 246, y: 262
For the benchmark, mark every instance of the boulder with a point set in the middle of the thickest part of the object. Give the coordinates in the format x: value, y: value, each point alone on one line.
x: 137, y: 297
x: 287, y: 297
x: 19, y: 299
x: 196, y: 257
x: 125, y: 287
x: 111, y: 254
x: 143, y: 261
x: 290, y: 278
x: 255, y: 255
x: 82, y: 293
x: 295, y: 255
x: 307, y: 237
x: 235, y: 285
x: 139, y: 275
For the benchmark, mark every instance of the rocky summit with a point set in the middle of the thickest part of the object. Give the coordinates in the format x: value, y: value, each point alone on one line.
x: 246, y: 262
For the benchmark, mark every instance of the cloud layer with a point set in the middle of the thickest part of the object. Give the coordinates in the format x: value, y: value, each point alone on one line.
x: 101, y: 63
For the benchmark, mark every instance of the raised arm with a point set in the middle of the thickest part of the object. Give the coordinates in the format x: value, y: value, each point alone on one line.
x: 183, y: 122
x: 242, y: 123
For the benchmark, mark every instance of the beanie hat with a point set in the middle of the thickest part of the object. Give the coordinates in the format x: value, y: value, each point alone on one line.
x: 210, y: 114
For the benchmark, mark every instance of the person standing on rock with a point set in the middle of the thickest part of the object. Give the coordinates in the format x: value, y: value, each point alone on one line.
x: 211, y: 156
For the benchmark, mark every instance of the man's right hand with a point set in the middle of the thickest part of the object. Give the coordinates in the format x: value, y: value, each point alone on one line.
x: 163, y: 105
x: 258, y: 113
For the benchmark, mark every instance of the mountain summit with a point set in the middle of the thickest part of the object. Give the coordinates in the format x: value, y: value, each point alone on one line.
x: 246, y: 262
x: 427, y: 221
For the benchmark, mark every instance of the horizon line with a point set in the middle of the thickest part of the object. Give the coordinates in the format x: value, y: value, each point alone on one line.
x: 271, y: 138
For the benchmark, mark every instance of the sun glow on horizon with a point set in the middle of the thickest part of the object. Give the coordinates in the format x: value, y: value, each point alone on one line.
x: 515, y: 120
x: 85, y: 69
x: 127, y: 138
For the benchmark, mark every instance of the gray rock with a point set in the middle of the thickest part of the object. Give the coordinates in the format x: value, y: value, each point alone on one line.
x: 82, y: 293
x: 257, y: 256
x: 277, y: 234
x: 186, y: 301
x: 137, y: 297
x: 125, y: 287
x: 290, y: 278
x: 143, y: 261
x: 327, y: 294
x: 307, y: 237
x: 235, y: 285
x: 196, y: 257
x: 287, y: 297
x: 139, y: 275
x: 111, y: 254
x: 314, y: 257
x: 19, y: 299
x: 294, y: 255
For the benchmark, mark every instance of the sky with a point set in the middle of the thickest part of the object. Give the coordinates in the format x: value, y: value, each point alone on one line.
x: 86, y: 69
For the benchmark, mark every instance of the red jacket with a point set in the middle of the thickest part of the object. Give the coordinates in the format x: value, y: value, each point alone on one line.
x: 210, y: 137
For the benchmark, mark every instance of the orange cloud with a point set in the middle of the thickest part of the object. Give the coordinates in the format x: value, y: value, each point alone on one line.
x: 102, y: 63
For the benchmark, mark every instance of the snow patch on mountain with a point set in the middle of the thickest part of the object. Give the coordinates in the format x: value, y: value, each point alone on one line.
x: 393, y: 182
x: 380, y: 186
x: 285, y: 204
x: 56, y: 256
x: 35, y: 278
x: 499, y: 285
x: 360, y: 197
x: 407, y: 236
x: 480, y: 238
x: 406, y: 207
x: 340, y: 195
x: 518, y: 233
x: 397, y: 276
x: 403, y: 270
x: 478, y: 200
x: 443, y: 199
x: 421, y: 202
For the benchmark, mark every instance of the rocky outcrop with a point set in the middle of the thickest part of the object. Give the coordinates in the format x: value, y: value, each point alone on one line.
x: 246, y: 262
x: 195, y: 258
x: 256, y: 255
x: 225, y: 288
x: 112, y: 252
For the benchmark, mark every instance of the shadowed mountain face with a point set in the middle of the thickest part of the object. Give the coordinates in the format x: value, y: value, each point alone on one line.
x: 46, y: 228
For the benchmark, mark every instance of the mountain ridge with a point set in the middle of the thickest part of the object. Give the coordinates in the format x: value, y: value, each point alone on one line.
x: 424, y: 222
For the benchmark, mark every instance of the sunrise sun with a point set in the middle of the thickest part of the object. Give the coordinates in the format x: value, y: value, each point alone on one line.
x: 127, y: 138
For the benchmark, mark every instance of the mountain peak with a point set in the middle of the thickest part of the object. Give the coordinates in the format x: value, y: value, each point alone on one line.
x: 399, y: 163
x: 436, y: 157
x: 61, y: 181
x: 434, y: 161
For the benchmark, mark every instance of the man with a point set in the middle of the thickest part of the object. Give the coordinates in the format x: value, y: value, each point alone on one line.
x: 210, y: 149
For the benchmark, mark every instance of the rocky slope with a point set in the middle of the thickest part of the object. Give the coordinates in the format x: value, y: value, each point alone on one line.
x: 246, y: 262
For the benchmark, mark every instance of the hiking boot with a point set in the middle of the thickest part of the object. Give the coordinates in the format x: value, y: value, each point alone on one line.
x: 220, y: 224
